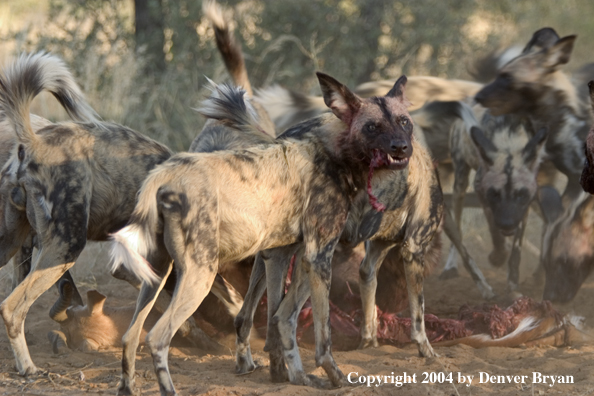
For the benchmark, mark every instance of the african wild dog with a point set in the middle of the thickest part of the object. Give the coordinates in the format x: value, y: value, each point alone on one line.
x: 568, y: 244
x: 533, y: 86
x: 196, y: 209
x: 413, y: 200
x: 506, y: 159
x: 69, y: 182
x: 392, y: 188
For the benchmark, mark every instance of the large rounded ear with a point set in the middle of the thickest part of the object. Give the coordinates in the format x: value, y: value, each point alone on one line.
x: 485, y: 146
x: 560, y: 53
x: 95, y: 301
x: 541, y: 39
x: 397, y: 90
x: 343, y: 103
x: 530, y: 151
x: 550, y: 203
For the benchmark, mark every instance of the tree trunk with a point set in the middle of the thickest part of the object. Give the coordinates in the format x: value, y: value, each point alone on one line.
x: 150, y: 37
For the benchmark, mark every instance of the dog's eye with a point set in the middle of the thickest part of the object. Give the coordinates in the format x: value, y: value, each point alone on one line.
x: 404, y: 122
x: 371, y: 127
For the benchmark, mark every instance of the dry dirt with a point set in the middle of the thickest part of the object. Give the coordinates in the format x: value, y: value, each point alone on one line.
x: 194, y: 372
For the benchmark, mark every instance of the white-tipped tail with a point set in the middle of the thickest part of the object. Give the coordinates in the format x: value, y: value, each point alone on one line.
x: 129, y: 248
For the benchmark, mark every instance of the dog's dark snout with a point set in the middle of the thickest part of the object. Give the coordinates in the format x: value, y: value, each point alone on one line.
x: 398, y: 147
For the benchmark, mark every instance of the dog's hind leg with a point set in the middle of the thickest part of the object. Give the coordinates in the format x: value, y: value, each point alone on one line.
x: 244, y: 320
x: 277, y: 265
x: 53, y: 260
x: 286, y: 319
x: 161, y: 261
x: 413, y: 269
x: 320, y: 276
x: 196, y: 265
x: 63, y: 234
x: 375, y: 253
x: 22, y: 261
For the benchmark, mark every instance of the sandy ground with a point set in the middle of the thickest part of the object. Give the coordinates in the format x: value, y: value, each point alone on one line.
x: 195, y: 372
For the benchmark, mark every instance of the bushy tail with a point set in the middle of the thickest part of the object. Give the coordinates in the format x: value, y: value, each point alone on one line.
x: 287, y: 108
x: 485, y: 69
x: 134, y: 243
x: 229, y: 48
x: 24, y: 79
x: 231, y: 106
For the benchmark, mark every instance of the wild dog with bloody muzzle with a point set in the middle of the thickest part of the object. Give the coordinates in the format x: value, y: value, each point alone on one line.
x: 205, y: 209
x: 69, y: 182
x: 413, y: 207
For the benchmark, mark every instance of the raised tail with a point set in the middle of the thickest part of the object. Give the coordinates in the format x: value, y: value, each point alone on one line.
x: 31, y: 74
x: 287, y: 108
x: 229, y: 48
x: 134, y: 243
x: 231, y: 106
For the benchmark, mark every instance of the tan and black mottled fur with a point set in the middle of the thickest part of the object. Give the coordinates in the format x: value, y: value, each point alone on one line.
x: 199, y: 210
x: 69, y: 182
x: 568, y: 244
x: 532, y: 85
x: 506, y: 158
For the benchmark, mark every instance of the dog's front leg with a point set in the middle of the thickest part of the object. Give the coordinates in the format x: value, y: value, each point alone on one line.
x: 513, y: 276
x: 244, y: 320
x: 375, y: 253
x: 413, y: 269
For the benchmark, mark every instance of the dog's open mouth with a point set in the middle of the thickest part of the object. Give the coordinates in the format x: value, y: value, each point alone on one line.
x: 381, y: 159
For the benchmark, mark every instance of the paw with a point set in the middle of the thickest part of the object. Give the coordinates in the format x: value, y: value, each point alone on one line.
x: 278, y: 371
x: 311, y: 380
x: 498, y: 257
x: 30, y: 371
x: 449, y: 273
x: 368, y: 343
x: 127, y: 390
x: 245, y: 365
x: 426, y: 350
